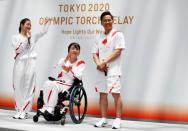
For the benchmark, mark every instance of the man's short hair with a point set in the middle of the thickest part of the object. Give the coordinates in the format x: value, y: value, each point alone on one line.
x: 106, y: 13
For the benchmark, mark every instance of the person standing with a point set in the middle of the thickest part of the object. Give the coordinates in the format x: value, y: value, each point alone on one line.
x: 107, y: 57
x: 24, y: 77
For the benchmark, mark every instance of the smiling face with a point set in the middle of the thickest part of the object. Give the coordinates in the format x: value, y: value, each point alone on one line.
x: 107, y: 22
x: 25, y: 27
x: 74, y: 51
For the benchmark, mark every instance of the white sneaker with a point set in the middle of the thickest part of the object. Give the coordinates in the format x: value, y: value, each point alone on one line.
x: 17, y: 115
x: 23, y: 115
x: 116, y: 123
x: 42, y: 110
x: 101, y: 123
x: 50, y: 110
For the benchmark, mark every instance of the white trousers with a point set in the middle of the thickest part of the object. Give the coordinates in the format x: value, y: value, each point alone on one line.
x: 24, y: 79
x: 51, y: 89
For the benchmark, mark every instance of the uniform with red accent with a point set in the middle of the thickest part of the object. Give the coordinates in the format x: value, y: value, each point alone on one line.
x: 51, y: 89
x: 24, y: 69
x: 104, y: 46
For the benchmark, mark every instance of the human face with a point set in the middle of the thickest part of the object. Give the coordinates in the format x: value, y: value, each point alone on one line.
x: 26, y: 27
x: 107, y: 23
x: 74, y: 52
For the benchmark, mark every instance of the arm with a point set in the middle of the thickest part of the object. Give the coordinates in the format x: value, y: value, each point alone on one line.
x: 97, y: 61
x: 102, y: 66
x: 96, y: 58
x: 118, y: 47
x: 77, y: 71
x: 95, y: 53
x: 115, y: 54
x: 19, y: 46
x: 42, y: 32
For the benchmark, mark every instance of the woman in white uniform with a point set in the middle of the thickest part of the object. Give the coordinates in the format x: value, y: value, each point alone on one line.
x: 24, y: 67
x: 67, y: 70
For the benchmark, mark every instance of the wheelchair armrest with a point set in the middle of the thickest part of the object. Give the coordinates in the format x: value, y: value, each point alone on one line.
x: 51, y: 78
x: 77, y: 82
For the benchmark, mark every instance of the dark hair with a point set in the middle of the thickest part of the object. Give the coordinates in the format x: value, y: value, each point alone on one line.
x: 22, y: 22
x: 74, y: 44
x: 106, y: 13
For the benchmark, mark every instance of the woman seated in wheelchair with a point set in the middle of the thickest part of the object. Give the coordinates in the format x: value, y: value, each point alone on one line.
x: 68, y: 69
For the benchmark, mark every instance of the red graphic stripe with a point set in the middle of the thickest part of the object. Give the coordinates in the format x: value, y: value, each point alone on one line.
x: 34, y: 89
x: 73, y: 74
x: 26, y: 105
x: 80, y: 62
x: 18, y: 47
x: 60, y: 74
x: 104, y: 41
x: 49, y: 95
x: 114, y: 33
x: 63, y: 84
x: 136, y: 111
x: 16, y: 55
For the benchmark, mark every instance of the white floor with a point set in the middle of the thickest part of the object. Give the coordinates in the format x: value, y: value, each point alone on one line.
x: 6, y: 121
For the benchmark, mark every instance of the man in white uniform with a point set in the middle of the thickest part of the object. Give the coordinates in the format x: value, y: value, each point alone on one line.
x: 68, y: 69
x: 24, y: 77
x: 107, y: 57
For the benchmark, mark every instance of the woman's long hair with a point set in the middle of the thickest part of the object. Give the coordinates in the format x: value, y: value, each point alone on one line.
x: 22, y: 22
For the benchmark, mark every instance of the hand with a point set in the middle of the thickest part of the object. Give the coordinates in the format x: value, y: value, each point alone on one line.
x: 67, y: 57
x: 102, y: 66
x: 28, y: 34
x: 46, y: 21
x: 67, y: 69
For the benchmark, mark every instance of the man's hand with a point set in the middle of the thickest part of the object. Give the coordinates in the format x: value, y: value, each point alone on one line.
x: 102, y: 66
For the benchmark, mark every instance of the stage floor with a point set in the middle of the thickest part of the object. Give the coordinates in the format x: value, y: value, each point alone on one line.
x: 7, y: 123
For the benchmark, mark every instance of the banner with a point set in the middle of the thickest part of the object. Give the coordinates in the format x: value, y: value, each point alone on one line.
x: 155, y: 68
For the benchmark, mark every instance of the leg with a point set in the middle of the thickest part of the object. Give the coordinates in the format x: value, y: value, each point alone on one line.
x: 50, y: 91
x: 103, y: 102
x: 118, y: 104
x: 118, y: 110
x: 18, y: 73
x: 28, y: 86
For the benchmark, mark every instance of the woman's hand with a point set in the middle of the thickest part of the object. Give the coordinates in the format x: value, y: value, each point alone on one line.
x: 67, y: 57
x: 67, y: 69
x: 28, y: 34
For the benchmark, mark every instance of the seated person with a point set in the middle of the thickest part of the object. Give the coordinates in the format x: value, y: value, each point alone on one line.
x: 67, y: 69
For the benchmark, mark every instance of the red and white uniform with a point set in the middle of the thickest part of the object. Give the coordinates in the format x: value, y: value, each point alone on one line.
x: 104, y: 46
x: 51, y: 89
x: 24, y: 69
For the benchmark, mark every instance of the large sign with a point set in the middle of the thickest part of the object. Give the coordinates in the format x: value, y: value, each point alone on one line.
x: 154, y: 62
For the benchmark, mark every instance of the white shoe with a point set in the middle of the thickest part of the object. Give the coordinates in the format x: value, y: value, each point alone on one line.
x: 23, y: 115
x: 50, y: 110
x: 116, y: 123
x: 42, y: 110
x: 17, y: 115
x: 101, y: 123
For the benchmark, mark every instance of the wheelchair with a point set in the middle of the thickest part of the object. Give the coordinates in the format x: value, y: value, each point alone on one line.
x: 77, y: 104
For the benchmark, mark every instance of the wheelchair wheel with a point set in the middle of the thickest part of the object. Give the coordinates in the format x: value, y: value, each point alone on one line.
x: 63, y: 120
x: 78, y: 104
x: 35, y: 118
